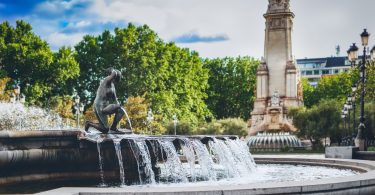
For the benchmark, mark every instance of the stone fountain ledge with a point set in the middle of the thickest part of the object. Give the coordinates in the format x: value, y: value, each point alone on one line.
x: 46, y: 155
x: 359, y: 184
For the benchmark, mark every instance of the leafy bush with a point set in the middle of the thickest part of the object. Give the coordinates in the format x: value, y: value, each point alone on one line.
x: 182, y: 128
x: 229, y: 126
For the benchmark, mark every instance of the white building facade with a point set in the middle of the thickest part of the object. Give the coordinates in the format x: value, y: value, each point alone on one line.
x: 315, y: 68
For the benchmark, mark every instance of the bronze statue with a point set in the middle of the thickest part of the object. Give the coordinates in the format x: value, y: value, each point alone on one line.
x: 102, y: 107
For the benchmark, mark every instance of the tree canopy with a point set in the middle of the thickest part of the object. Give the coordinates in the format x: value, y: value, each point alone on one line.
x: 27, y: 59
x: 320, y: 121
x: 231, y: 86
x: 173, y: 80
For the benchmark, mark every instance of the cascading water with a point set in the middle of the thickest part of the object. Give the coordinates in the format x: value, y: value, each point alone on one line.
x: 117, y: 144
x: 188, y: 151
x: 98, y: 141
x: 241, y: 151
x: 206, y: 164
x: 174, y: 168
x: 135, y: 151
x: 224, y: 157
x: 177, y: 160
x: 143, y: 150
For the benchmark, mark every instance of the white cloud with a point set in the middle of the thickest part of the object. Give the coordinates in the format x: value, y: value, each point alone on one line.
x: 319, y: 25
x: 241, y: 20
x: 57, y: 39
x: 49, y: 7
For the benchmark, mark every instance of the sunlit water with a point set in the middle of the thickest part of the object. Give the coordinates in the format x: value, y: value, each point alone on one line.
x: 265, y: 173
x: 17, y: 116
x: 220, y: 162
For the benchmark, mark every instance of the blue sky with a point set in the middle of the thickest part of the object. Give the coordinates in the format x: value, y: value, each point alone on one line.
x: 214, y: 28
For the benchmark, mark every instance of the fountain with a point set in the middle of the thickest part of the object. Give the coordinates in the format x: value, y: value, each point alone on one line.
x: 17, y: 116
x: 274, y: 141
x: 113, y: 161
x: 117, y: 160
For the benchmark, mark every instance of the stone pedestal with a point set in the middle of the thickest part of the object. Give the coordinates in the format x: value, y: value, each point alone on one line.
x: 360, y: 143
x: 343, y: 152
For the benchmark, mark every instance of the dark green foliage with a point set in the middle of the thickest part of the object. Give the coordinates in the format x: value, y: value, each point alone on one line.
x: 318, y: 122
x: 231, y: 86
x: 369, y: 120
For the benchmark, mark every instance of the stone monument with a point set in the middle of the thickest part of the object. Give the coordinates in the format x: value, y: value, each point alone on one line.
x: 278, y: 86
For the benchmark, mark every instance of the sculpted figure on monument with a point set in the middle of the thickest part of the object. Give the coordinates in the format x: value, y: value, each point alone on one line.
x: 278, y: 5
x: 275, y: 99
x: 106, y: 103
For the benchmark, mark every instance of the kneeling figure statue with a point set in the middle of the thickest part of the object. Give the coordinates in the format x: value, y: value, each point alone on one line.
x: 102, y: 107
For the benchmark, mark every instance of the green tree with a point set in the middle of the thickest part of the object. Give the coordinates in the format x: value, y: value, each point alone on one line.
x: 370, y: 82
x: 228, y: 126
x: 334, y: 87
x: 27, y: 59
x: 309, y: 97
x: 172, y: 80
x: 369, y: 120
x: 318, y: 122
x: 231, y: 86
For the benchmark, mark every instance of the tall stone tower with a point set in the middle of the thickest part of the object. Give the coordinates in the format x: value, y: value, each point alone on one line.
x: 277, y: 86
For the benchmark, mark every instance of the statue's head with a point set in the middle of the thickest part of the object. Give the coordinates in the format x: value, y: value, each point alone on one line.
x: 116, y: 73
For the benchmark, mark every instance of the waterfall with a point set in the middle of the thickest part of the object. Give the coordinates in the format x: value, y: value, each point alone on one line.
x: 240, y: 151
x: 224, y: 157
x: 117, y: 144
x: 142, y: 147
x: 189, y: 154
x: 174, y: 168
x: 180, y: 160
x: 98, y: 141
x: 206, y: 163
x: 136, y: 156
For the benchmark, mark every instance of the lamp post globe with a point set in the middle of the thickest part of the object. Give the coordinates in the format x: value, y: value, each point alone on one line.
x: 354, y: 88
x: 353, y: 53
x: 365, y: 37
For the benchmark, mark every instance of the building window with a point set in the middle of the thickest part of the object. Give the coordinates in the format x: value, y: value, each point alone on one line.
x: 309, y: 72
x: 303, y: 72
x: 316, y: 72
x: 325, y: 71
x: 336, y: 71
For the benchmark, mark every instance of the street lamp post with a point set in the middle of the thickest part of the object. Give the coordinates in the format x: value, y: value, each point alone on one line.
x: 348, y: 108
x: 175, y: 121
x: 353, y: 56
x: 343, y: 116
x: 352, y: 99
